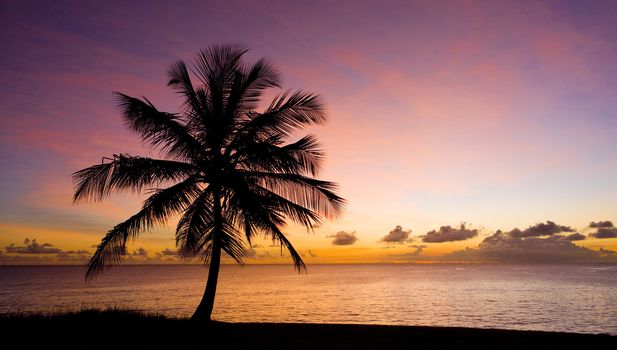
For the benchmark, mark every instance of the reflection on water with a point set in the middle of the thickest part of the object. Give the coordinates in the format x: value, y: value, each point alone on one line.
x: 556, y: 298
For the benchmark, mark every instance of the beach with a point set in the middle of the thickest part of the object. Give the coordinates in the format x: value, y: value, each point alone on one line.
x: 124, y: 329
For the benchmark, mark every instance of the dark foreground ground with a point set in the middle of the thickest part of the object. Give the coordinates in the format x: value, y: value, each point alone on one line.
x: 125, y: 329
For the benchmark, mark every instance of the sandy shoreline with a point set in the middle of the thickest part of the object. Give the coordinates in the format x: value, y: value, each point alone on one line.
x: 122, y: 330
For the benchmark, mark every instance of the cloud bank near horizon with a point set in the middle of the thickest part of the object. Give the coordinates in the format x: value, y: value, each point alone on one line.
x: 398, y: 235
x: 33, y: 252
x: 449, y: 234
x: 512, y: 247
x: 343, y: 238
x: 544, y: 242
x: 604, y: 229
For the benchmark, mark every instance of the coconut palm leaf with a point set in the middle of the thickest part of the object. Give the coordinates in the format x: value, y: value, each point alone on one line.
x: 156, y: 209
x: 125, y: 172
x: 162, y: 130
x: 180, y: 80
x: 317, y: 195
x: 196, y: 222
x: 248, y: 86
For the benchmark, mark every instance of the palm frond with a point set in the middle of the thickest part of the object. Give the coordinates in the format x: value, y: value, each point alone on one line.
x: 295, y: 256
x: 180, y: 80
x: 197, y: 231
x: 317, y: 195
x: 125, y: 172
x: 214, y: 64
x: 162, y: 130
x: 308, y: 152
x: 255, y: 214
x: 248, y: 85
x: 156, y: 209
x: 301, y: 157
x: 231, y: 243
x: 202, y: 122
x: 195, y: 225
x: 294, y: 211
x: 263, y: 215
x: 288, y: 112
x: 216, y: 68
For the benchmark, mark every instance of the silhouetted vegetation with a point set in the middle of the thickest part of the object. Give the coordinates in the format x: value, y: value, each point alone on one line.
x: 232, y: 173
x: 124, y: 329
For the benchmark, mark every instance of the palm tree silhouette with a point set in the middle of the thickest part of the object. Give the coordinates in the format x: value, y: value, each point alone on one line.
x: 231, y: 173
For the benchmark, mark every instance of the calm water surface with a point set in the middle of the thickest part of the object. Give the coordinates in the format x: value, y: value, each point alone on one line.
x: 553, y: 298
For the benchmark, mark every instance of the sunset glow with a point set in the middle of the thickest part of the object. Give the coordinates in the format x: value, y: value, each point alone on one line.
x: 473, y: 115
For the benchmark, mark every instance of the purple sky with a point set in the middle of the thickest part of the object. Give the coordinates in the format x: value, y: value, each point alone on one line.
x: 499, y: 114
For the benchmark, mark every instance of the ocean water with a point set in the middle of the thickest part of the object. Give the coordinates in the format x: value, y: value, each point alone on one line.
x: 573, y: 298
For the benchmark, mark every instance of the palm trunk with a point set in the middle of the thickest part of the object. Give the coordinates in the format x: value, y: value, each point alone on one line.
x: 204, y: 310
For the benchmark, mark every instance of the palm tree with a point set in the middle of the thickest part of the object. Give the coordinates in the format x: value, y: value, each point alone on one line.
x: 229, y: 172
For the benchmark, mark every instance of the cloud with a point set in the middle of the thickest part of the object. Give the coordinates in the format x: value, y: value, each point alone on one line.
x: 418, y: 251
x: 601, y: 224
x: 398, y: 235
x: 78, y: 252
x: 166, y: 255
x: 266, y: 255
x: 343, y: 238
x: 312, y: 254
x: 541, y: 229
x: 449, y: 234
x: 277, y: 255
x: 168, y: 252
x: 605, y: 229
x: 33, y: 252
x: 505, y: 247
x: 413, y: 255
x: 607, y: 252
x: 72, y: 255
x: 605, y: 232
x: 250, y: 252
x: 575, y: 237
x: 32, y: 247
x: 140, y: 252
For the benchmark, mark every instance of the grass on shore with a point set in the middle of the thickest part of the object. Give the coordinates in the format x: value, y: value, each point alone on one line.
x: 114, y: 328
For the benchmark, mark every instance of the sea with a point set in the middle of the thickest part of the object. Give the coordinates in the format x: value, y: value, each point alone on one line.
x: 564, y: 298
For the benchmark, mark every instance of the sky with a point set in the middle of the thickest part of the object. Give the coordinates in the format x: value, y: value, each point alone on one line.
x: 495, y: 120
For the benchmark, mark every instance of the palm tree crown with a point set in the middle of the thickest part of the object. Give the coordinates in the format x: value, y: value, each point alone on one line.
x: 231, y: 171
